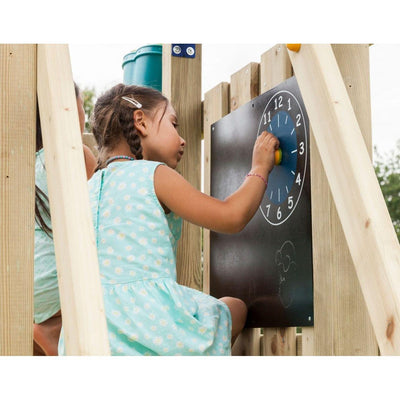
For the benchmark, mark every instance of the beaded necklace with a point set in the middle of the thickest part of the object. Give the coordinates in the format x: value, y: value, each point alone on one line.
x: 118, y: 158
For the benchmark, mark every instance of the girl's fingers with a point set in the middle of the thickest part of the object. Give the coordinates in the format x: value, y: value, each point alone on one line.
x: 268, y: 140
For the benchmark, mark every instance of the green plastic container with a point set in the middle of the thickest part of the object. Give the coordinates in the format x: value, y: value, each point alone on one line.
x: 143, y: 67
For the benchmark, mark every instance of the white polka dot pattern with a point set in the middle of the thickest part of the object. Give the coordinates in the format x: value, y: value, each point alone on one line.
x: 147, y: 312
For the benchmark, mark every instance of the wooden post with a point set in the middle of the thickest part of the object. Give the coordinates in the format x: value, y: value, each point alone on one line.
x: 342, y: 324
x: 17, y: 194
x: 244, y: 87
x: 364, y: 217
x: 275, y: 67
x: 181, y: 81
x: 81, y: 296
x: 216, y: 106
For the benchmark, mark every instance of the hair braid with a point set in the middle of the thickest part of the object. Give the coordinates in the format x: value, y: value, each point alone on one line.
x: 112, y: 118
x: 130, y: 134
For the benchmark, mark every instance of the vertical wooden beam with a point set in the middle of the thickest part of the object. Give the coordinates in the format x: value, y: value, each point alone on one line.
x: 244, y: 87
x: 81, y: 296
x: 342, y: 323
x: 276, y: 67
x: 365, y: 220
x: 17, y: 194
x: 216, y: 106
x: 181, y: 81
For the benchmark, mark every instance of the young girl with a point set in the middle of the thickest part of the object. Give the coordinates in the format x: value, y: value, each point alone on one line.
x: 137, y: 199
x: 47, y: 315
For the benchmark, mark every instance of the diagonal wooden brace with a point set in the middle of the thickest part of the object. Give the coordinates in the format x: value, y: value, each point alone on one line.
x: 366, y: 222
x: 81, y: 297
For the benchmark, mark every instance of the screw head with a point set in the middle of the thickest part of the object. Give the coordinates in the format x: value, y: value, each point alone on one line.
x: 190, y: 51
x: 177, y: 49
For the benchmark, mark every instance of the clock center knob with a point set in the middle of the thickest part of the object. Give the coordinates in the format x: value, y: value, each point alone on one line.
x: 278, y: 156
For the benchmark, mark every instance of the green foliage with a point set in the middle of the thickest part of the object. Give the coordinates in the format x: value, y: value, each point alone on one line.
x: 89, y: 98
x: 387, y: 169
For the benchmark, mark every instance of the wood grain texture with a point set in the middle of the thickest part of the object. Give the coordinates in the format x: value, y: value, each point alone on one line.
x: 181, y: 81
x: 244, y: 85
x: 276, y: 67
x: 216, y: 106
x: 365, y: 220
x: 342, y: 323
x: 17, y: 194
x: 81, y: 296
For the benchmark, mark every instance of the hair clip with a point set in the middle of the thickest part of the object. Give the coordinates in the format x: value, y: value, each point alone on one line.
x: 132, y: 101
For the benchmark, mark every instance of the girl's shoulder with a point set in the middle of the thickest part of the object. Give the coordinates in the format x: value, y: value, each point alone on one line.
x: 126, y: 168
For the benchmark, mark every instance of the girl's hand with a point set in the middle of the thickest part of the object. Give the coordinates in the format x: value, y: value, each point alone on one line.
x: 264, y: 153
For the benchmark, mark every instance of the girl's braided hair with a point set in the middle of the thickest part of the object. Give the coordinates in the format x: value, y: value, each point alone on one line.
x: 112, y: 118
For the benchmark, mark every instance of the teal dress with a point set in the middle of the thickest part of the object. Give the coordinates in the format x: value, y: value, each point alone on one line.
x: 46, y: 296
x: 147, y: 311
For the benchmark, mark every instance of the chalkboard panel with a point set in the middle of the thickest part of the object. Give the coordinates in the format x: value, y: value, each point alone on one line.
x: 269, y: 264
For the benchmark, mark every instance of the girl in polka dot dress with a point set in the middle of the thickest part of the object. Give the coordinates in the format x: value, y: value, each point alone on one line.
x: 138, y: 200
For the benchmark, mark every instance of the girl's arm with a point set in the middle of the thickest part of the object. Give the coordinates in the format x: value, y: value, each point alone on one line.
x: 90, y: 161
x: 226, y: 216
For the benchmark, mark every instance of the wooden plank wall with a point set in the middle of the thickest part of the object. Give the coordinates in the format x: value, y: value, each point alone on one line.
x: 181, y: 81
x: 17, y: 194
x: 216, y: 106
x: 342, y: 322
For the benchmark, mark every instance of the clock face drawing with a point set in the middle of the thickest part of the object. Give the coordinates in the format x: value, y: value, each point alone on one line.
x: 284, y: 117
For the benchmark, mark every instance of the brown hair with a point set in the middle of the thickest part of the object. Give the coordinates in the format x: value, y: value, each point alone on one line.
x: 112, y: 118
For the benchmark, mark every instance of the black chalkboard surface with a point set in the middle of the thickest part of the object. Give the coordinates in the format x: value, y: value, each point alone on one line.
x: 269, y: 264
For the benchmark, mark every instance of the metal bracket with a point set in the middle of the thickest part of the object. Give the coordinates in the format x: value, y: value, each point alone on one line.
x: 183, y: 50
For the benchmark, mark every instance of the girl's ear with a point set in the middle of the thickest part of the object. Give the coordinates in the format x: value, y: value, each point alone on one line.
x: 139, y: 120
